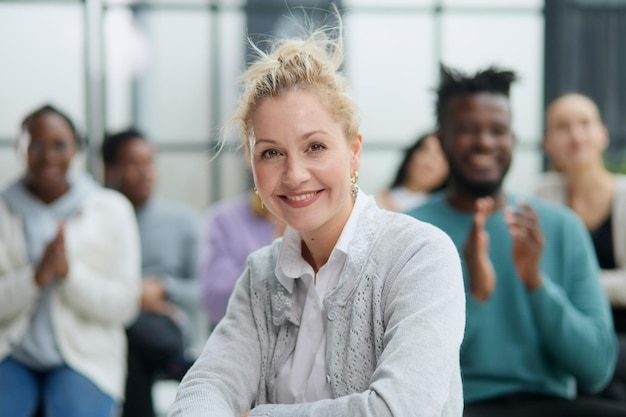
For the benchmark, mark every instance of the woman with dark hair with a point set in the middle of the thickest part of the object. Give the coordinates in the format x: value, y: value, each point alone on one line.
x: 69, y: 281
x: 423, y: 170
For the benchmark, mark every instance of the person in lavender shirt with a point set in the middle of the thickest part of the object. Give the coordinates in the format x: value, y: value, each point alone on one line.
x: 234, y: 228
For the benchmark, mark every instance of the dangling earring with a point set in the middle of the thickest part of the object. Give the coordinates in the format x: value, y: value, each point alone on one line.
x: 354, y: 189
x: 260, y: 200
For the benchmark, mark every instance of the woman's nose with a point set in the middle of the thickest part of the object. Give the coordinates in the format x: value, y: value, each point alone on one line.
x: 296, y: 171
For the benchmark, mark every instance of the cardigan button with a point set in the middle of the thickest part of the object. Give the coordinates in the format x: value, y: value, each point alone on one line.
x: 332, y: 315
x: 328, y: 379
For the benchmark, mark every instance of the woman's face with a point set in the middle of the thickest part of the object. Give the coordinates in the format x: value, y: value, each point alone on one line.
x: 575, y: 136
x: 50, y: 147
x: 428, y: 167
x: 302, y: 162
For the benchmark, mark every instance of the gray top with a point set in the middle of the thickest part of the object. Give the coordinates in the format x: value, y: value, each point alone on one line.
x: 395, y: 325
x: 170, y: 238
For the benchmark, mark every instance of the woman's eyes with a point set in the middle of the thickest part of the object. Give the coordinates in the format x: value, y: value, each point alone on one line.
x: 317, y: 147
x: 38, y: 148
x: 269, y: 154
x: 274, y: 153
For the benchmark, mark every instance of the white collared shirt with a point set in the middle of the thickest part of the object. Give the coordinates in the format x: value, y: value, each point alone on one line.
x: 302, y: 378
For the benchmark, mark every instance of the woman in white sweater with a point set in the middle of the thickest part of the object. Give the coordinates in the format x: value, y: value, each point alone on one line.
x: 355, y: 311
x: 69, y: 281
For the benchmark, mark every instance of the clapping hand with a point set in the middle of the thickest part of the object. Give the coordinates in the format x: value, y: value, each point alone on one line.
x: 476, y: 252
x: 528, y: 243
x: 53, y: 263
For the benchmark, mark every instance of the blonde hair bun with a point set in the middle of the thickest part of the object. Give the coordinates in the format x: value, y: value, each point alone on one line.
x: 312, y: 62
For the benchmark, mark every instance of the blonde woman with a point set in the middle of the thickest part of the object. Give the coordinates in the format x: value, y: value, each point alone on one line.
x: 355, y: 311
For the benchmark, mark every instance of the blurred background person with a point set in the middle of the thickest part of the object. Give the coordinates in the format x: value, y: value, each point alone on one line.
x: 234, y: 228
x: 575, y: 140
x: 423, y: 170
x: 69, y: 281
x: 169, y: 251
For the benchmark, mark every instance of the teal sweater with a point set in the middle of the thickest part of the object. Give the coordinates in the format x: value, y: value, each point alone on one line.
x: 546, y: 341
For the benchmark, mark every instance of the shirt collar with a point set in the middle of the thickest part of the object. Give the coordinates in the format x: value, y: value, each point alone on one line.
x: 290, y: 265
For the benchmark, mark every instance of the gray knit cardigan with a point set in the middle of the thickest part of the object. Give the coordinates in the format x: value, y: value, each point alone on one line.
x: 395, y: 325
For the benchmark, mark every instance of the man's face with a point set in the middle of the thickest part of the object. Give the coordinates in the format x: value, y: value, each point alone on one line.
x: 133, y: 171
x: 477, y: 141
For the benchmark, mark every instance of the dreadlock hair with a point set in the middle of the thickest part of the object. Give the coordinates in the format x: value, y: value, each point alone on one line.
x: 455, y: 83
x: 311, y: 62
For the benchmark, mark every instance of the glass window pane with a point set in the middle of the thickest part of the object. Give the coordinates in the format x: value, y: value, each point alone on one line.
x: 161, y: 3
x: 126, y: 58
x: 229, y: 62
x: 388, y: 3
x: 473, y: 42
x: 42, y: 65
x: 537, y: 4
x: 391, y: 68
x: 173, y: 92
x: 184, y: 177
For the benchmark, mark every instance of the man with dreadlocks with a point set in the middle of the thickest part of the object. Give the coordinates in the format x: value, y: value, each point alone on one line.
x: 538, y: 323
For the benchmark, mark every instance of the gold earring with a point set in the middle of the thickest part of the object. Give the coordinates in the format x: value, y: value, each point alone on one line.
x: 260, y: 200
x: 354, y: 189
